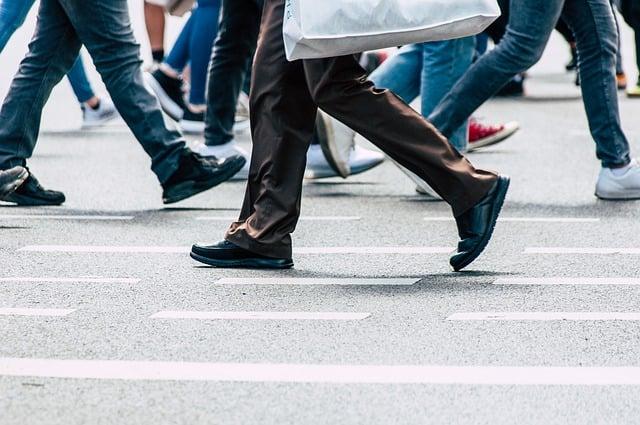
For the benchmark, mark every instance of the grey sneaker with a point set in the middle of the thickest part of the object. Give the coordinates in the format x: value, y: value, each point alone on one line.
x: 624, y: 187
x: 105, y: 112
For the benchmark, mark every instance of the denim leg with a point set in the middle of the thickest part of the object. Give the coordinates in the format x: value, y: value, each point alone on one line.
x: 232, y: 56
x: 178, y: 57
x: 528, y: 31
x: 205, y: 30
x: 52, y: 51
x: 596, y: 40
x: 105, y: 29
x: 444, y: 63
x: 401, y: 73
x: 12, y: 15
x: 79, y: 81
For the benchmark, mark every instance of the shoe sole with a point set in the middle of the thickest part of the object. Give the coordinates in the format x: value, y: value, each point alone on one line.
x: 495, y: 139
x: 168, y: 105
x: 99, y: 123
x: 503, y: 188
x: 329, y: 149
x: 329, y: 173
x: 631, y: 197
x: 191, y: 188
x: 249, y: 263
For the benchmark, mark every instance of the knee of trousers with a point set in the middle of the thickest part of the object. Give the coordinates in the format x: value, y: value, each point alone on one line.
x: 518, y: 53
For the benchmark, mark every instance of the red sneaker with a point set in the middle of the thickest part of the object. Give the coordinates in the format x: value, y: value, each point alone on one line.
x: 482, y: 135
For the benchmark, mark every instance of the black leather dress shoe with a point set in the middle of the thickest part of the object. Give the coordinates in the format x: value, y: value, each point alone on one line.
x: 227, y: 255
x: 475, y: 226
x: 32, y: 194
x: 11, y: 179
x: 197, y: 173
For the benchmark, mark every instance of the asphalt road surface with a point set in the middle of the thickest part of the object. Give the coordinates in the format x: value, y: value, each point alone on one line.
x: 104, y: 319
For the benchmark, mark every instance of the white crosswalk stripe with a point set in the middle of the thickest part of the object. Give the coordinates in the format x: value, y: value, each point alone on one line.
x: 415, y: 250
x: 316, y: 373
x: 544, y: 316
x: 583, y: 250
x: 319, y: 281
x: 53, y: 312
x: 527, y: 219
x: 68, y: 280
x: 568, y: 281
x: 258, y: 315
x: 67, y: 217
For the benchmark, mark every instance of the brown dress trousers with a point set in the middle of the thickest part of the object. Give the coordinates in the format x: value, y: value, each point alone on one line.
x: 285, y: 97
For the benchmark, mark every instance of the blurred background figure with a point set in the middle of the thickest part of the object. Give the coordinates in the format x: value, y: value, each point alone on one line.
x: 630, y: 10
x: 193, y: 47
x: 96, y: 111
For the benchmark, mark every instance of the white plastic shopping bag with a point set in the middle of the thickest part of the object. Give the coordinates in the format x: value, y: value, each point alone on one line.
x: 326, y: 28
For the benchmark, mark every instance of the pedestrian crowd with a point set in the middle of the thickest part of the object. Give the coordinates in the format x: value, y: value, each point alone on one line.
x: 228, y: 71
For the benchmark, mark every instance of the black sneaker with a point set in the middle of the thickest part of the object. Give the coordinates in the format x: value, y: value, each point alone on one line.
x: 197, y: 173
x: 169, y: 93
x: 32, y: 194
x: 192, y: 122
x: 11, y: 179
x: 514, y: 88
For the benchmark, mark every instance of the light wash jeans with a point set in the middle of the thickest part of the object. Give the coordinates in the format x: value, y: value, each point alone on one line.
x: 429, y: 70
x: 530, y: 25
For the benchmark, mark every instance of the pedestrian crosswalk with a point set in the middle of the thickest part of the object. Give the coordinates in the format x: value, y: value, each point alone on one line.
x: 353, y: 316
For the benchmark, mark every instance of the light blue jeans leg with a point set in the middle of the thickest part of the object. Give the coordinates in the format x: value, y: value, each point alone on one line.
x: 12, y: 15
x: 79, y: 81
x: 401, y: 73
x: 444, y: 62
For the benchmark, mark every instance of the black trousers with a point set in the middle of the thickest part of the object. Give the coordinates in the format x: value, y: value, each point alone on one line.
x: 231, y: 60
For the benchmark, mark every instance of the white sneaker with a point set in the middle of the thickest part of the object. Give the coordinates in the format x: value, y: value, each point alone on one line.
x: 623, y: 187
x: 360, y: 160
x: 337, y: 142
x: 421, y: 186
x: 224, y: 151
x: 242, y: 114
x: 92, y: 118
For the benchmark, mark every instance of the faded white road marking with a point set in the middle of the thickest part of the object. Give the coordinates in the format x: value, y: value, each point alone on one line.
x: 258, y: 315
x: 183, y: 249
x: 68, y: 280
x: 527, y: 219
x: 316, y: 373
x: 568, y: 281
x: 34, y: 312
x: 318, y: 281
x: 544, y: 316
x: 576, y: 250
x: 303, y: 218
x: 68, y: 217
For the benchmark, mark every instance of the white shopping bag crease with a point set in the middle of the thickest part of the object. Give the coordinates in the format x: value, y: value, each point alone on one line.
x: 327, y: 28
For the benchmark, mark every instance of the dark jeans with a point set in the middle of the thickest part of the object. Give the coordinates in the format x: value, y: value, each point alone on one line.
x: 105, y: 29
x: 530, y: 25
x: 231, y: 58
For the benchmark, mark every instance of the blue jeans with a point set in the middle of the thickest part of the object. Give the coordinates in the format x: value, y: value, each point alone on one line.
x: 429, y: 70
x: 194, y: 46
x: 104, y: 27
x: 530, y: 25
x: 12, y: 16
